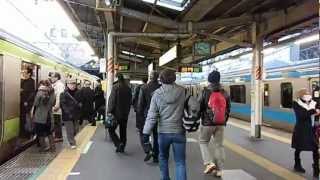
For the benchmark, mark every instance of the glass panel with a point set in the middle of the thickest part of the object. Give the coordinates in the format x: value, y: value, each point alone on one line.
x: 266, y: 95
x: 178, y: 5
x: 238, y: 93
x: 286, y: 95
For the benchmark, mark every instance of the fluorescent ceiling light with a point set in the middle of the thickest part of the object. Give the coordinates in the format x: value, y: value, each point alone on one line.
x: 168, y: 56
x: 312, y: 38
x: 288, y: 37
x: 178, y: 5
x: 135, y: 82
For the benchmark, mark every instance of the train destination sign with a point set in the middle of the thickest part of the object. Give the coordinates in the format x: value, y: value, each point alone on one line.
x: 192, y: 69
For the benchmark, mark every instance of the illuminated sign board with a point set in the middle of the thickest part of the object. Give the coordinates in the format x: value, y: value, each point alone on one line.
x: 169, y: 56
x: 192, y: 69
x: 122, y: 67
x: 202, y: 49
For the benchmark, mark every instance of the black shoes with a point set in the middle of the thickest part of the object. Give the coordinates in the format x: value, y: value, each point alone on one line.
x: 315, y: 171
x: 148, y: 156
x: 298, y: 168
x: 155, y: 159
x: 120, y: 148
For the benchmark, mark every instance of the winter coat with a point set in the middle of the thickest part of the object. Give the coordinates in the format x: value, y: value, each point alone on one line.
x: 70, y: 105
x: 99, y: 99
x: 145, y: 95
x: 86, y: 99
x: 119, y: 102
x: 303, y: 137
x: 43, y: 103
x: 136, y: 97
x: 28, y: 92
x: 204, y: 99
x: 166, y: 108
x: 59, y: 88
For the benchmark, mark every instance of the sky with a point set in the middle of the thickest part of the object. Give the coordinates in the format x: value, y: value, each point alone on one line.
x: 45, y: 24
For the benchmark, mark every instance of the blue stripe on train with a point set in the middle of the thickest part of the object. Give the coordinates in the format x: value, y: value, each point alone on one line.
x: 273, y: 114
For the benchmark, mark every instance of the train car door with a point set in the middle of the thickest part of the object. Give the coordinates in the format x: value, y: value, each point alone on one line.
x: 1, y: 99
x: 28, y: 84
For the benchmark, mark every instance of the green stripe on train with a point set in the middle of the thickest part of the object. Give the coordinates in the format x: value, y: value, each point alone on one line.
x: 11, y: 129
x: 14, y: 50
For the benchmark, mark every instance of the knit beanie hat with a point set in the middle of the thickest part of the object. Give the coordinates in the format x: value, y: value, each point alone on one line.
x: 167, y: 76
x: 214, y: 77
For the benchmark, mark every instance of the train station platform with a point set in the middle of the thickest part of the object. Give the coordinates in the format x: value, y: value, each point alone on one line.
x: 246, y: 159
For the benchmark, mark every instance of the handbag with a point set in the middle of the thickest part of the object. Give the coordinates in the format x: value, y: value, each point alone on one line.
x: 110, y: 122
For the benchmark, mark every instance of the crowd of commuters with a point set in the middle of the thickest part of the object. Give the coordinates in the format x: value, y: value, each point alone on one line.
x: 161, y: 108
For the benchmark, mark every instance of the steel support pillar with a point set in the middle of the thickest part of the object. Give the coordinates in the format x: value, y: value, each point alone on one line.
x: 256, y: 84
x: 110, y: 67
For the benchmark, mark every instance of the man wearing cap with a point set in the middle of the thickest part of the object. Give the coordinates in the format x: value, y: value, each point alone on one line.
x: 144, y: 100
x: 119, y: 105
x: 209, y: 129
x: 166, y: 110
x: 70, y: 106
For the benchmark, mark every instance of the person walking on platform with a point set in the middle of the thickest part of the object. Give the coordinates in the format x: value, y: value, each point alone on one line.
x: 41, y: 114
x: 99, y: 101
x: 70, y: 105
x: 214, y: 111
x: 27, y: 98
x: 303, y: 137
x: 87, y: 99
x: 119, y: 106
x: 58, y: 87
x: 166, y: 109
x: 144, y: 100
x: 135, y: 99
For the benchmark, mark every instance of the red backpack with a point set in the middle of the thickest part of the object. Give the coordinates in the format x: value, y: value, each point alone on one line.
x: 217, y: 103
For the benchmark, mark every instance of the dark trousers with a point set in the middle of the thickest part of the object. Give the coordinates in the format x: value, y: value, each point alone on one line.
x: 155, y: 147
x: 57, y: 126
x: 315, y: 155
x: 123, y: 133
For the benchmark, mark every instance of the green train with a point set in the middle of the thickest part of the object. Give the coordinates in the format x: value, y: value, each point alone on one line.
x: 15, y: 56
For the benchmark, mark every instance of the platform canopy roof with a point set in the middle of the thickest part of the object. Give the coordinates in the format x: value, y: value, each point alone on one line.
x: 225, y: 23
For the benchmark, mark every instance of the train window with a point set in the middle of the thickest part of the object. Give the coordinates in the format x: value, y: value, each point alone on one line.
x: 315, y: 89
x: 286, y: 95
x: 238, y: 93
x: 266, y: 95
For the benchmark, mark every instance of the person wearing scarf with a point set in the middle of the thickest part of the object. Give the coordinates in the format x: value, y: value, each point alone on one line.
x: 303, y: 138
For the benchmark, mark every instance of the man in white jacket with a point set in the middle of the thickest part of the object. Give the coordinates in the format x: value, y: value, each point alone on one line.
x: 59, y: 88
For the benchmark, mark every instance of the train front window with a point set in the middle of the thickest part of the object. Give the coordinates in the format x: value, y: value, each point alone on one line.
x: 286, y: 95
x: 238, y: 93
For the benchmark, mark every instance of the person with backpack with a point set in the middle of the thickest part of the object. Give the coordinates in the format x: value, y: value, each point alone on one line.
x: 119, y: 105
x: 144, y: 100
x: 70, y: 106
x: 41, y: 113
x: 214, y: 111
x: 166, y: 110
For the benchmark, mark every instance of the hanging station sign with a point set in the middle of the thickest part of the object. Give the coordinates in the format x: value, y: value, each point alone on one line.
x: 202, y: 49
x: 169, y: 56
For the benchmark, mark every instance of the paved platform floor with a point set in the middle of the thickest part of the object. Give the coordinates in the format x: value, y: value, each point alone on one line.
x: 245, y: 159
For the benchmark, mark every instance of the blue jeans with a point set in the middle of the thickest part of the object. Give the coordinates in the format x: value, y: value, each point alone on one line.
x: 178, y: 142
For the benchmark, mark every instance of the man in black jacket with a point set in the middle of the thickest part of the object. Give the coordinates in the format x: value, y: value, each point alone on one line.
x: 135, y: 102
x: 119, y: 105
x: 209, y: 129
x: 144, y: 100
x: 27, y: 97
x: 87, y: 100
x: 70, y: 106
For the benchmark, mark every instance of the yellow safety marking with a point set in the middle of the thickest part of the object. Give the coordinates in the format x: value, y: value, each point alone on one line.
x: 62, y: 165
x: 263, y: 162
x: 264, y: 133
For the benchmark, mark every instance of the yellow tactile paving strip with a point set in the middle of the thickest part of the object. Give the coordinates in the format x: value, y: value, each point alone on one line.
x: 263, y: 162
x: 62, y: 165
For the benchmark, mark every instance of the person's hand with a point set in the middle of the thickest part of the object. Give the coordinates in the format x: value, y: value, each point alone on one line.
x: 55, y: 108
x: 317, y: 112
x: 146, y: 143
x: 25, y: 104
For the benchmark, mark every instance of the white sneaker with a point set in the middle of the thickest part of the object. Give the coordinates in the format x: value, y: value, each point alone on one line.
x: 209, y: 168
x: 73, y: 147
x: 219, y: 174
